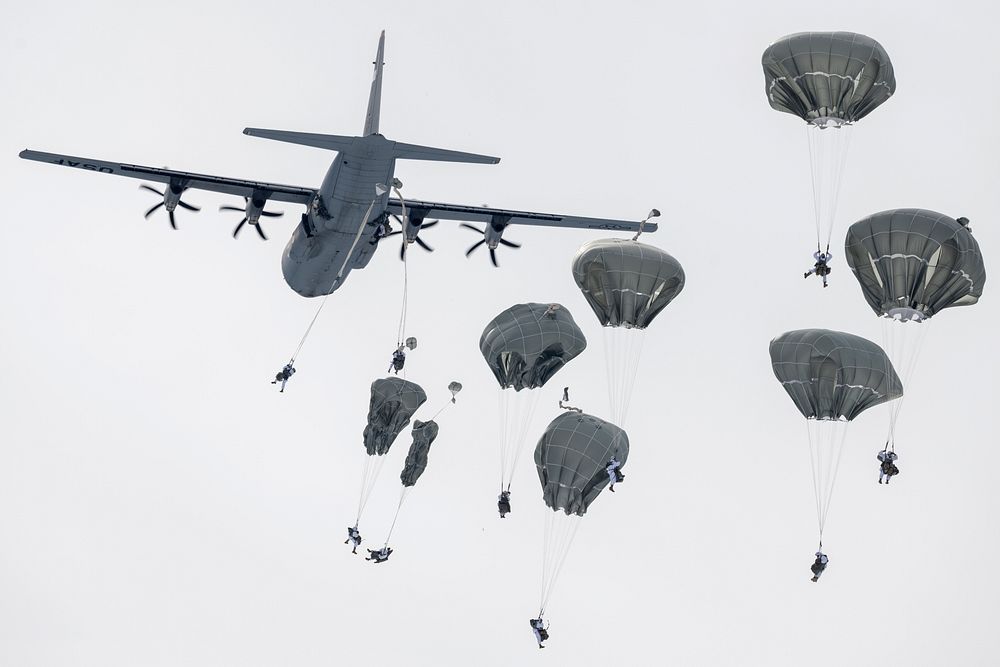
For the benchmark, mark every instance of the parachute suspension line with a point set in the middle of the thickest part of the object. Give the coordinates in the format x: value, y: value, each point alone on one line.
x: 517, y: 411
x: 903, y: 345
x: 523, y: 427
x: 826, y: 445
x: 837, y: 441
x: 369, y: 475
x: 440, y: 410
x: 633, y: 372
x: 502, y: 433
x: 622, y: 354
x: 401, y: 332
x: 813, y: 467
x: 340, y: 274
x: 560, y: 531
x: 402, y: 314
x: 828, y: 147
x: 302, y: 341
x: 402, y: 496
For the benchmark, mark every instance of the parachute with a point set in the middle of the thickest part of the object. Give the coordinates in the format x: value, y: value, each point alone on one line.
x: 571, y: 458
x: 912, y: 263
x: 830, y: 80
x: 627, y: 284
x: 818, y: 75
x: 424, y: 434
x: 832, y: 377
x: 393, y: 403
x: 525, y: 346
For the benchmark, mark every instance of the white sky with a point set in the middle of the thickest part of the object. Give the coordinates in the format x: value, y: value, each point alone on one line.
x: 160, y: 504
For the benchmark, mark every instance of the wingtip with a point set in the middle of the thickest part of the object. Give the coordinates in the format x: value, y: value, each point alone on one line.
x: 23, y: 154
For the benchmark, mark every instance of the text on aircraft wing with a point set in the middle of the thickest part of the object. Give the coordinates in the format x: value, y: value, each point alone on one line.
x: 482, y: 214
x: 230, y: 186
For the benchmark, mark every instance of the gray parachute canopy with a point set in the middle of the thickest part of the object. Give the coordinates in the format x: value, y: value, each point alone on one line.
x: 832, y: 375
x: 527, y: 344
x: 572, y: 456
x: 627, y: 283
x: 911, y: 259
x: 424, y: 434
x: 393, y: 402
x: 840, y: 75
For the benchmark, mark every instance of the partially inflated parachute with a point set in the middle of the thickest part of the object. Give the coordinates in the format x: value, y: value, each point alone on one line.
x: 527, y: 344
x: 524, y: 346
x: 911, y: 264
x: 831, y: 377
x: 424, y: 434
x: 627, y: 284
x: 571, y: 459
x: 830, y: 80
x: 393, y: 402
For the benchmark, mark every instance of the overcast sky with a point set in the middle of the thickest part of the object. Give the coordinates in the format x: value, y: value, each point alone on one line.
x: 162, y: 504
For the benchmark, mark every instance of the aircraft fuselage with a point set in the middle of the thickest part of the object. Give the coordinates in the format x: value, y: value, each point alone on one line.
x: 341, y: 234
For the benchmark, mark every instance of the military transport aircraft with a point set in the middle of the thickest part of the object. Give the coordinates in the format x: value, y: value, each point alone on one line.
x: 349, y: 214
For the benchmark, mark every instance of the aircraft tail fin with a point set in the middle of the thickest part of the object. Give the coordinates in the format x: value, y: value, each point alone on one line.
x: 375, y: 98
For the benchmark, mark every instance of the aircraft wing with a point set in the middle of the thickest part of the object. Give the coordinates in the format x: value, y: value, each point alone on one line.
x: 440, y: 211
x: 230, y: 186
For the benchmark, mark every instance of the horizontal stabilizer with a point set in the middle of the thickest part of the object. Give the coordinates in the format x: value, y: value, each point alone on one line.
x: 413, y: 152
x: 331, y: 142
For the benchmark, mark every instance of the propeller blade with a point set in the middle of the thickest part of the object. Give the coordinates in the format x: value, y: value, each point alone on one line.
x: 402, y: 250
x: 423, y: 245
x: 510, y: 244
x: 272, y: 214
x: 429, y: 224
x: 398, y: 231
x: 474, y: 246
x: 472, y: 227
x: 241, y: 209
x: 493, y: 257
x: 236, y: 232
x: 152, y: 208
x: 189, y: 206
x: 150, y: 188
x: 173, y: 222
x: 260, y: 231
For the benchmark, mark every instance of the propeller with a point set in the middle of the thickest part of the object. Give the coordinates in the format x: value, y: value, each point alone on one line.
x: 493, y: 242
x: 252, y: 212
x: 416, y: 239
x: 171, y: 200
